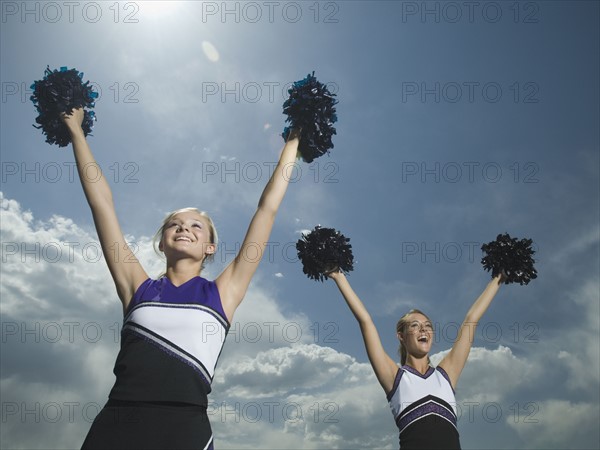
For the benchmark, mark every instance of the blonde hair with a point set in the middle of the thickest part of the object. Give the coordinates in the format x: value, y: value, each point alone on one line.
x: 214, y: 238
x: 401, y: 328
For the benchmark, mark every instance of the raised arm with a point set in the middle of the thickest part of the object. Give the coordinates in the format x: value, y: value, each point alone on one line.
x: 123, y: 265
x: 385, y: 368
x: 454, y: 362
x: 234, y: 280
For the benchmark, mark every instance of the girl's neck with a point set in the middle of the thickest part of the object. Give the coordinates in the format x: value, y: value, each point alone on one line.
x: 182, y: 272
x: 419, y: 364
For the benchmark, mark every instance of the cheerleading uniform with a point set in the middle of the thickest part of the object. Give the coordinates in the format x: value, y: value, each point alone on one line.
x: 170, y: 343
x: 424, y: 408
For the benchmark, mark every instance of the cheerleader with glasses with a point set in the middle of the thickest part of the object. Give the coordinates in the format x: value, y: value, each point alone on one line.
x: 421, y: 396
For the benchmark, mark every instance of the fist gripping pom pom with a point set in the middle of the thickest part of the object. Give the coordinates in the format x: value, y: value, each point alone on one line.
x: 510, y: 256
x: 324, y: 250
x: 310, y: 108
x: 60, y: 92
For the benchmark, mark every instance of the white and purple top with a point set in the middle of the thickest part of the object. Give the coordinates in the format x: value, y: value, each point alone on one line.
x: 171, y: 339
x: 424, y: 408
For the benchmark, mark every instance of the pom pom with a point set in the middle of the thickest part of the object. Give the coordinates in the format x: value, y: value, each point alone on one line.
x: 59, y: 92
x: 510, y: 256
x: 323, y: 250
x: 310, y: 107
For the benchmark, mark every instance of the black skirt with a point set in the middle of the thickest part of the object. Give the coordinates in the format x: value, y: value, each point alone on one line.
x: 141, y: 425
x: 428, y: 433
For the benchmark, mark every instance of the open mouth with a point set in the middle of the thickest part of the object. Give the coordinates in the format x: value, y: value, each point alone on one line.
x: 423, y: 339
x: 183, y: 239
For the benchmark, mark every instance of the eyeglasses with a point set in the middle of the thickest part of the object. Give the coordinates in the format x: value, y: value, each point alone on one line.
x: 417, y: 326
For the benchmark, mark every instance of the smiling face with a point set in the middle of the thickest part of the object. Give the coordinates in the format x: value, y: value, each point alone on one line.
x: 415, y: 332
x: 187, y: 233
x: 418, y: 333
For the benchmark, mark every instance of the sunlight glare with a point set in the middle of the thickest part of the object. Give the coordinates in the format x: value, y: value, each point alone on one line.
x: 210, y: 51
x: 157, y: 8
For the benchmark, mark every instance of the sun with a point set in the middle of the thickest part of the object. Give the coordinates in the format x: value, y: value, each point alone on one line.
x: 157, y: 8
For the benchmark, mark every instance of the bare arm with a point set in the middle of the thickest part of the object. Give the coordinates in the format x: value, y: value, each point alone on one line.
x: 235, y: 279
x: 454, y: 362
x: 385, y: 368
x: 123, y: 265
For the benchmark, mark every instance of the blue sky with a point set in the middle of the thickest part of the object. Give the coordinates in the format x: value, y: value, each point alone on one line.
x: 457, y: 121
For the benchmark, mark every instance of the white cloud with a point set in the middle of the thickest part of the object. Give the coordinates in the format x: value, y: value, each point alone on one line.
x: 581, y: 243
x: 277, y: 369
x: 273, y: 387
x: 576, y: 343
x: 49, y: 252
x: 580, y: 348
x: 66, y: 262
x: 492, y: 375
x: 36, y: 415
x: 558, y: 424
x: 308, y: 396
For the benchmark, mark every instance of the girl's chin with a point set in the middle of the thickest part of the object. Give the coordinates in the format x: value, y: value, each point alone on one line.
x: 422, y: 352
x: 181, y: 253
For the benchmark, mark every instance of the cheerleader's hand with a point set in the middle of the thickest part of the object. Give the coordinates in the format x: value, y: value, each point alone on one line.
x: 501, y: 277
x: 294, y: 134
x: 74, y: 120
x: 334, y: 273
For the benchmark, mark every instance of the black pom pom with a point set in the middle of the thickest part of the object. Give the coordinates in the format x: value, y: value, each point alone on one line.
x: 324, y: 250
x: 311, y: 108
x: 59, y: 92
x: 511, y: 256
